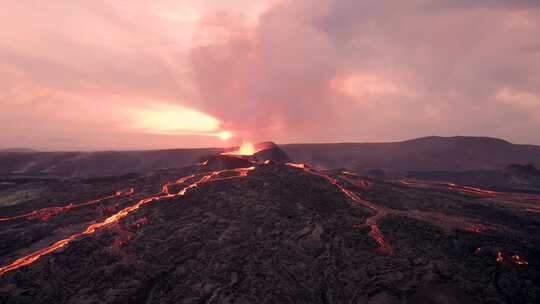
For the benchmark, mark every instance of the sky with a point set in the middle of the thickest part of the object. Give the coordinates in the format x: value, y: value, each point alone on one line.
x: 137, y: 74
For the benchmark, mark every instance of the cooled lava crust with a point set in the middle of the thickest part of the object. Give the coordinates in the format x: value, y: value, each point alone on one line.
x: 275, y: 233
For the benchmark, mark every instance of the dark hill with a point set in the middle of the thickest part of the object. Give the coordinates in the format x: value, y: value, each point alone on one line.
x: 18, y: 150
x: 270, y: 151
x: 422, y: 154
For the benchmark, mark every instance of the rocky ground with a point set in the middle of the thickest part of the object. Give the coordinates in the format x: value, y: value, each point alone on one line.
x: 274, y: 233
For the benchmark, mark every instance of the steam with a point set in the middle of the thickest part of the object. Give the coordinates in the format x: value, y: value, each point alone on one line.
x: 358, y: 70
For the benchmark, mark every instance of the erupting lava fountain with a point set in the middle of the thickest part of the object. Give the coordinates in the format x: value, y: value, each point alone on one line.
x: 246, y: 148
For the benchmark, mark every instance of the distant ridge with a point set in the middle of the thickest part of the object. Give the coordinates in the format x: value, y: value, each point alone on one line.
x: 19, y: 150
x: 462, y: 139
x: 458, y: 153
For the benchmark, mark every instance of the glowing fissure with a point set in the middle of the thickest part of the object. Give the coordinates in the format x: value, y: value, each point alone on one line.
x: 371, y: 222
x: 380, y: 212
x: 471, y: 190
x: 519, y: 260
x: 440, y: 219
x: 475, y: 227
x: 466, y: 189
x: 29, y: 259
x: 529, y: 202
x: 46, y: 213
x: 350, y: 173
x: 499, y: 258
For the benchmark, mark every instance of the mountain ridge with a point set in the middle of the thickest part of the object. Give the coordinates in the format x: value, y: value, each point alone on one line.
x: 432, y: 153
x: 427, y: 153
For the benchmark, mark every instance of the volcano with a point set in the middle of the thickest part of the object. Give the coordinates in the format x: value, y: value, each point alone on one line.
x: 244, y: 157
x: 259, y: 152
x: 257, y: 227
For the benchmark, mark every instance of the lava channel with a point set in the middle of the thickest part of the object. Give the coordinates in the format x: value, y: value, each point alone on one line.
x: 371, y: 222
x: 46, y: 213
x: 451, y: 186
x: 31, y: 258
x: 529, y: 202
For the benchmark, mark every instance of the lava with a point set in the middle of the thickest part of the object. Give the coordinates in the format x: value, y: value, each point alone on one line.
x: 377, y: 235
x: 349, y: 173
x: 380, y: 212
x: 466, y: 189
x: 499, y: 258
x: 476, y: 228
x: 46, y: 213
x: 246, y: 149
x: 471, y: 190
x: 165, y: 188
x: 31, y: 258
x: 440, y: 219
x: 519, y: 260
x: 529, y: 202
x: 300, y: 166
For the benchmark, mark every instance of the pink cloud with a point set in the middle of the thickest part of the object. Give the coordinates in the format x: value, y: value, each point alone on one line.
x: 288, y: 71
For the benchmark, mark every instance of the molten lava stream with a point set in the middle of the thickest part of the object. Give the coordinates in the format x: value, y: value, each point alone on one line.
x: 452, y: 186
x: 528, y: 202
x: 519, y: 260
x: 29, y: 259
x: 472, y: 190
x: 499, y: 258
x: 46, y: 213
x: 375, y: 232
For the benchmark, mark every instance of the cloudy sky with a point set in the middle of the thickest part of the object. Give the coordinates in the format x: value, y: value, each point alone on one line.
x: 137, y: 74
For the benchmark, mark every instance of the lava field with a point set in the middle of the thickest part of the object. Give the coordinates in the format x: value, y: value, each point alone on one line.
x: 269, y: 232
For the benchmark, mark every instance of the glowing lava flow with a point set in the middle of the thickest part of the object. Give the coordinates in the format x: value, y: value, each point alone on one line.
x: 371, y: 222
x: 466, y: 189
x: 529, y: 202
x: 349, y: 173
x: 46, y: 213
x: 246, y: 148
x: 29, y: 259
x: 499, y: 258
x: 471, y: 190
x: 519, y: 260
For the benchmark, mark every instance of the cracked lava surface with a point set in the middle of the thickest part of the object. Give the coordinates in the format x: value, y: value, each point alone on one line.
x: 270, y: 233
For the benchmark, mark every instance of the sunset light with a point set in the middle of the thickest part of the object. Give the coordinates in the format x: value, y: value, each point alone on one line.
x: 224, y: 135
x: 175, y: 120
